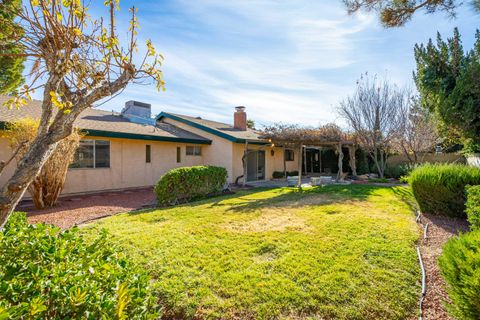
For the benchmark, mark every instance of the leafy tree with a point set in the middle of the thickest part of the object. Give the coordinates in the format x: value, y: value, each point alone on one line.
x: 79, y: 60
x: 448, y: 79
x: 419, y: 135
x: 48, y: 184
x: 395, y: 13
x: 375, y: 114
x: 11, y: 63
x: 251, y: 124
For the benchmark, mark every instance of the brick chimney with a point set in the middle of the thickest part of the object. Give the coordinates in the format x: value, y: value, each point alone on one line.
x: 240, y: 118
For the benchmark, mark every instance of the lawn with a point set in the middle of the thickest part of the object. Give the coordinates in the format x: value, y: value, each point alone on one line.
x: 343, y: 252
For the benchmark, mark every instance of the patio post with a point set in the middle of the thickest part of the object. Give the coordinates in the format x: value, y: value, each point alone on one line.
x: 300, y: 153
x: 245, y: 153
x: 353, y: 159
x: 340, y: 162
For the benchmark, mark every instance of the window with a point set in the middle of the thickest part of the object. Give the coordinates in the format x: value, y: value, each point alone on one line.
x: 148, y: 153
x: 92, y: 154
x: 289, y: 155
x: 194, y: 151
x: 179, y: 154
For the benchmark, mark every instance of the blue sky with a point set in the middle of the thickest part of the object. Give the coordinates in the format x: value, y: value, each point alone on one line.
x: 286, y: 61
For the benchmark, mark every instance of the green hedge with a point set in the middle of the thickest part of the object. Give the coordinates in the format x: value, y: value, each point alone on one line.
x: 49, y: 274
x: 460, y: 266
x: 440, y: 188
x: 473, y: 206
x: 188, y: 183
x: 279, y: 174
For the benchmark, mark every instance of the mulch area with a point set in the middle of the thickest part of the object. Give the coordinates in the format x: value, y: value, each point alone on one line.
x: 440, y: 229
x: 75, y: 210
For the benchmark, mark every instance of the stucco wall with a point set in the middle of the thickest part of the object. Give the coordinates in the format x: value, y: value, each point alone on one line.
x: 219, y: 153
x: 128, y: 168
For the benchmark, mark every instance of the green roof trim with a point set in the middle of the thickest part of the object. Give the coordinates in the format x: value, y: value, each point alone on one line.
x: 215, y: 132
x: 133, y: 136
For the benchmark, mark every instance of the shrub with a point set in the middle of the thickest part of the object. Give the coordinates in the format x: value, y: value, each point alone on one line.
x: 49, y: 274
x: 278, y: 175
x: 189, y: 183
x: 440, y: 188
x: 473, y: 206
x: 460, y: 265
x: 292, y: 173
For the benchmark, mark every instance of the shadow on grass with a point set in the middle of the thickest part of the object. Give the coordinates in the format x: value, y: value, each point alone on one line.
x: 333, y: 193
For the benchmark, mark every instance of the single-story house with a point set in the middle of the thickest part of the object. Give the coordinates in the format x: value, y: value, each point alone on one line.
x: 131, y: 149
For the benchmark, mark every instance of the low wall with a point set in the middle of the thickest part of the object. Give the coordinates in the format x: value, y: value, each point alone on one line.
x: 429, y: 157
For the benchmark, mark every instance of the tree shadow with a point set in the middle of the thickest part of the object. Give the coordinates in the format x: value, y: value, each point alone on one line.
x: 293, y: 197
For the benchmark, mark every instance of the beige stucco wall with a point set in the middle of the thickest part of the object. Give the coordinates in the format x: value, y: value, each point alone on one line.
x: 128, y: 168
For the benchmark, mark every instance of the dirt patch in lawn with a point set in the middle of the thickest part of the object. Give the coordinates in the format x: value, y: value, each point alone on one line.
x: 440, y: 229
x: 271, y: 220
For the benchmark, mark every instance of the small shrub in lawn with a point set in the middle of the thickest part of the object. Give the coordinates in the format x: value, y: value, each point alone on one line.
x: 440, y: 188
x: 460, y: 265
x: 49, y: 274
x: 278, y: 175
x: 189, y: 183
x: 473, y: 206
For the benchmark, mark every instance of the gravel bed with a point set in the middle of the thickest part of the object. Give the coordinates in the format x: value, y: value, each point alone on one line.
x: 440, y: 229
x: 75, y: 210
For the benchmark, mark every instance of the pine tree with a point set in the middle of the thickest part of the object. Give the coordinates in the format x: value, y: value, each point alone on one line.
x: 11, y: 65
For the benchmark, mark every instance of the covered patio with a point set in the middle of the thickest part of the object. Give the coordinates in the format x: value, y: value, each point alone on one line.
x: 308, y: 143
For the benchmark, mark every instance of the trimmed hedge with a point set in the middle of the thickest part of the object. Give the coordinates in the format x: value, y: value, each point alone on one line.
x: 49, y: 274
x: 473, y: 206
x: 189, y: 183
x: 440, y: 188
x: 460, y: 266
x: 279, y: 174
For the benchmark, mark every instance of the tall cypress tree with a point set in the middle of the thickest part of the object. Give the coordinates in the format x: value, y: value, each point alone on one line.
x: 448, y: 79
x: 11, y: 67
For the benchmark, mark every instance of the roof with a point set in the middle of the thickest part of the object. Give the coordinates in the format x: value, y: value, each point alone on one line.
x: 107, y: 124
x: 223, y: 130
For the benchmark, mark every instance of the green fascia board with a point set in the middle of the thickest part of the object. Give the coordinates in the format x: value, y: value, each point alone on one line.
x: 133, y: 136
x: 207, y: 129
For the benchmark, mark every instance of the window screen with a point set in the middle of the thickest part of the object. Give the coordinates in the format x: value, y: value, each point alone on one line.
x: 194, y: 151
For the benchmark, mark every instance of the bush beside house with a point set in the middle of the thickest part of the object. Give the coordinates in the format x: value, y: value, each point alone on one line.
x: 189, y: 183
x: 49, y: 274
x: 460, y: 267
x: 440, y: 189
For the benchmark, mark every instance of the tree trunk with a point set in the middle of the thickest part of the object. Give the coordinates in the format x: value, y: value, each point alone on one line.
x: 27, y: 169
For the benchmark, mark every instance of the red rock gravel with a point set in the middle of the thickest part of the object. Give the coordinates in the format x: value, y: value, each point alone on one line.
x: 440, y: 229
x: 74, y: 210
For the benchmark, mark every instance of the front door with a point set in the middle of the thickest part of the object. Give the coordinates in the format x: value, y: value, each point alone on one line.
x: 255, y: 165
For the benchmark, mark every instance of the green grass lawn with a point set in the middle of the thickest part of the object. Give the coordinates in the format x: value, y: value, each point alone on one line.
x: 325, y: 253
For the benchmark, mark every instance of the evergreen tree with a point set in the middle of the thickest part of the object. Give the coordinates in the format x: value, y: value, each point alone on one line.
x: 11, y: 65
x: 448, y: 79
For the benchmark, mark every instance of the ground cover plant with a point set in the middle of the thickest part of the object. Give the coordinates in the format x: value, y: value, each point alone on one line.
x: 440, y: 188
x: 334, y: 252
x: 48, y: 274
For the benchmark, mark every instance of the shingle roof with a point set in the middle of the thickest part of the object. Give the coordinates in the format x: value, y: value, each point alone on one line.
x: 106, y: 123
x: 224, y: 129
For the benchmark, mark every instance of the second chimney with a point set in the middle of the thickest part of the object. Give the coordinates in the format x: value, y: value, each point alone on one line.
x: 240, y: 118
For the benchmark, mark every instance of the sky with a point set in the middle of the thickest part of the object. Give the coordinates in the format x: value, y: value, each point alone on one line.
x: 285, y: 61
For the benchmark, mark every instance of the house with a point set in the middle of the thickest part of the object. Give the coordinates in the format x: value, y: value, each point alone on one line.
x: 131, y: 149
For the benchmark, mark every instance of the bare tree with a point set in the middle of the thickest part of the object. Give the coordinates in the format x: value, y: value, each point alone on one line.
x: 419, y: 135
x: 77, y: 61
x: 375, y: 113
